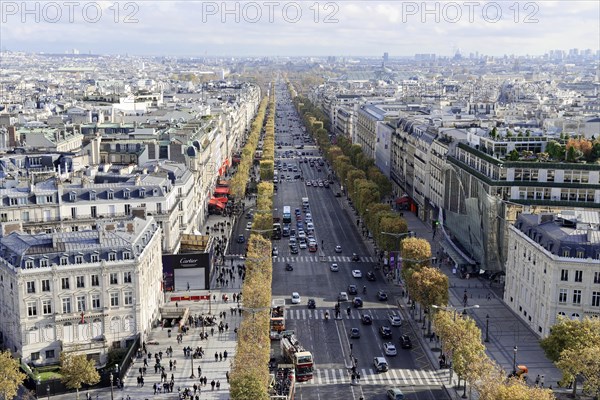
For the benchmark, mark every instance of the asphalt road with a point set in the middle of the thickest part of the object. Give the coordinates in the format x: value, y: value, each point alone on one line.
x: 329, y: 340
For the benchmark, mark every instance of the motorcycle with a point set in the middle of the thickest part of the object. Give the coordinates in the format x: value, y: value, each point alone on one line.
x: 326, y: 315
x: 364, y: 290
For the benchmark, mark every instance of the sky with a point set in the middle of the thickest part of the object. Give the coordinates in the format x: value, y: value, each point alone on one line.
x: 299, y: 28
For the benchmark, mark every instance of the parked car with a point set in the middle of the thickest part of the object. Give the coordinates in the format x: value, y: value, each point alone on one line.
x: 241, y: 239
x: 371, y: 276
x: 394, y: 394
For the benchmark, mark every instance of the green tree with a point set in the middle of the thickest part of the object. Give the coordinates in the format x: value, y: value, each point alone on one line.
x: 513, y: 155
x: 77, y: 370
x: 583, y: 362
x: 11, y: 376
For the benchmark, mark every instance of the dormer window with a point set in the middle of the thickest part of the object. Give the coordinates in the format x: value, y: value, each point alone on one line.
x: 142, y: 192
x: 110, y: 194
x: 29, y: 264
x: 112, y: 256
x: 566, y: 252
x: 126, y: 193
x: 580, y: 253
x: 126, y: 255
x: 93, y: 195
x: 155, y: 192
x: 79, y: 259
x: 95, y: 257
x: 64, y: 260
x: 72, y: 196
x: 43, y: 262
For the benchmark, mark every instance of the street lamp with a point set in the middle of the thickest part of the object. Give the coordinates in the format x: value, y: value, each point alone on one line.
x: 48, y: 391
x: 515, y: 360
x: 112, y: 393
x: 487, y: 328
x: 192, y: 376
x: 209, y: 302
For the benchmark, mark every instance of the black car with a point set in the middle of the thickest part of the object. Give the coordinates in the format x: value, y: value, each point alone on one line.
x: 312, y: 303
x: 355, y: 257
x: 381, y: 295
x: 294, y: 249
x: 371, y: 276
x: 357, y: 303
x: 289, y: 267
x: 366, y: 319
x: 354, y: 333
x: 338, y: 194
x: 405, y: 342
x: 352, y: 290
x: 241, y: 239
x: 385, y: 332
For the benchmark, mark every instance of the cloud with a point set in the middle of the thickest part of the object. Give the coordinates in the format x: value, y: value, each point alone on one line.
x: 299, y: 27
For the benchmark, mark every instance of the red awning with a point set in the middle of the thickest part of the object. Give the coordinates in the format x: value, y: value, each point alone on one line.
x: 222, y: 183
x: 215, y: 202
x: 222, y: 199
x: 222, y: 190
x: 402, y: 200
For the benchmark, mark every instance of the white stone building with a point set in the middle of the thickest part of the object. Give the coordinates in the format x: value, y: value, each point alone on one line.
x: 553, y: 268
x: 79, y: 291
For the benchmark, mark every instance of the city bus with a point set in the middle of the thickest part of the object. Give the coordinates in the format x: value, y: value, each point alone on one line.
x: 287, y: 215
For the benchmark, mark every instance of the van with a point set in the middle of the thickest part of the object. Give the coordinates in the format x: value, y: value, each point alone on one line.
x: 380, y: 364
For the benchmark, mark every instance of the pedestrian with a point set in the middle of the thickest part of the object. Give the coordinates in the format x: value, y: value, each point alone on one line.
x: 216, y: 356
x: 227, y: 376
x: 537, y: 380
x: 212, y: 384
x: 220, y: 356
x: 542, y: 381
x: 225, y: 354
x: 218, y: 385
x: 155, y: 387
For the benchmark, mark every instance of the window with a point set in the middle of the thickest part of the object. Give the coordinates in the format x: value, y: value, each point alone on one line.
x: 126, y: 277
x: 64, y: 260
x: 73, y: 212
x: 95, y: 280
x: 43, y: 262
x: 127, y: 209
x: 564, y: 274
x: 113, y: 278
x: 49, y: 354
x: 126, y: 255
x: 114, y: 299
x: 80, y: 281
x: 578, y: 276
x: 112, y: 256
x: 78, y: 259
x: 95, y: 301
x: 31, y: 287
x: 45, y: 285
x: 126, y: 194
x: 66, y: 305
x: 562, y: 296
x: 128, y: 298
x: 35, y: 356
x: 32, y: 309
x: 29, y: 264
x: 596, y: 277
x: 110, y: 194
x: 46, y: 307
x: 95, y: 258
x: 93, y: 195
x: 81, y: 303
x: 576, y: 296
x: 94, y: 211
x: 595, y: 299
x: 64, y: 283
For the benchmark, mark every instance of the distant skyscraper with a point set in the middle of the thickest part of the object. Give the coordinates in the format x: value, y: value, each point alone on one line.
x: 385, y: 57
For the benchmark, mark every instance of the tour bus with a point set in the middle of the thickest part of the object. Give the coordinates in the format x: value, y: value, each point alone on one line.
x: 287, y: 214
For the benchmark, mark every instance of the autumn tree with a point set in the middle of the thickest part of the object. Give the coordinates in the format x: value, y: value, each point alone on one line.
x: 581, y: 362
x: 76, y: 370
x: 430, y: 286
x: 11, y: 376
x: 574, y: 337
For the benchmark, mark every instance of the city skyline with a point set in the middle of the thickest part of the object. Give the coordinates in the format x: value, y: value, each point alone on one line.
x: 296, y: 28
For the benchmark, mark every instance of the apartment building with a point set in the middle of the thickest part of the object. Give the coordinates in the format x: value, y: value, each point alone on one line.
x: 553, y: 268
x: 164, y: 190
x: 79, y: 291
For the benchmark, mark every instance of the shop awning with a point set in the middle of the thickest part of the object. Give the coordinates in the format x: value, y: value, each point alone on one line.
x: 402, y: 200
x: 216, y: 203
x: 222, y: 199
x: 222, y: 183
x: 222, y: 190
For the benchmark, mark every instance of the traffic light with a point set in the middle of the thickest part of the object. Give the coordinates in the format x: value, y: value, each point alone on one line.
x: 435, y: 223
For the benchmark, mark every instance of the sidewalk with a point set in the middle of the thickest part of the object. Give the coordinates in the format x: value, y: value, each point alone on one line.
x: 505, y: 329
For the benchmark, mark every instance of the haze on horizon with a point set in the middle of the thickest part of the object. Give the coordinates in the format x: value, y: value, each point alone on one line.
x: 299, y: 28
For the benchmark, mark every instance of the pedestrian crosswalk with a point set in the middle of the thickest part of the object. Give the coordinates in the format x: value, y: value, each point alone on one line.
x: 314, y: 259
x: 369, y: 376
x: 309, y: 314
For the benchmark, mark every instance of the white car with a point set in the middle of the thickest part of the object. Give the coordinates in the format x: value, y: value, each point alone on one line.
x: 338, y: 249
x: 248, y: 225
x: 395, y: 320
x: 296, y: 298
x: 334, y: 268
x: 357, y: 273
x: 343, y: 296
x: 389, y: 349
x: 275, y: 252
x: 303, y: 244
